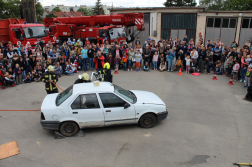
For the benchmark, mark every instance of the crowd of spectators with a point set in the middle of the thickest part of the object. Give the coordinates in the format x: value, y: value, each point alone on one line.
x: 27, y: 64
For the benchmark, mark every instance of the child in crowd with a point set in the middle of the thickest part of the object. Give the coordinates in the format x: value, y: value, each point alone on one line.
x: 69, y: 70
x: 248, y: 76
x: 155, y: 60
x: 131, y: 56
x: 228, y: 65
x: 38, y: 56
x: 218, y: 68
x: 44, y: 68
x: 125, y: 60
x: 192, y: 66
x: 117, y: 61
x: 18, y: 74
x: 146, y: 67
x: 162, y: 66
x: 138, y: 58
x: 236, y: 68
x: 8, y: 78
x: 43, y: 61
x: 188, y: 60
x: 58, y: 70
x: 28, y: 79
x: 178, y: 64
x: 37, y: 77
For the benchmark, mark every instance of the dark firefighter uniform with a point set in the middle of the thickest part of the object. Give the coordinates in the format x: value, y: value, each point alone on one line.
x: 107, y: 76
x: 84, y: 79
x: 50, y: 76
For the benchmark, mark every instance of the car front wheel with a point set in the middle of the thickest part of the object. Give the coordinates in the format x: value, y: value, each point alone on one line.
x: 147, y: 121
x: 69, y: 129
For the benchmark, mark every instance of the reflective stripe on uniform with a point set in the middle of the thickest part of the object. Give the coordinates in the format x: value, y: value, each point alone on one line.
x: 50, y: 78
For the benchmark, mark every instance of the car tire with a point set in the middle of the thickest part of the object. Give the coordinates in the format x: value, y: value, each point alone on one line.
x: 69, y: 129
x: 147, y: 121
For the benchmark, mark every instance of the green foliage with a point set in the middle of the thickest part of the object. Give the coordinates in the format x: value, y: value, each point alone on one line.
x: 170, y: 3
x: 56, y: 9
x: 227, y: 4
x: 51, y: 15
x: 98, y: 8
x: 10, y: 9
x: 39, y: 9
x: 39, y: 18
x: 87, y: 12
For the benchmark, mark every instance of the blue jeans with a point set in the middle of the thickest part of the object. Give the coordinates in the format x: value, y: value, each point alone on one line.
x: 125, y: 66
x: 23, y: 74
x: 207, y: 66
x: 244, y: 71
x: 129, y: 63
x: 146, y: 60
x: 69, y: 72
x: 84, y: 60
x: 155, y: 64
x: 195, y: 62
x: 91, y: 63
x: 170, y: 64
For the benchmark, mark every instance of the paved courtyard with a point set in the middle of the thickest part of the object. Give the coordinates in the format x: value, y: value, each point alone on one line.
x: 209, y: 124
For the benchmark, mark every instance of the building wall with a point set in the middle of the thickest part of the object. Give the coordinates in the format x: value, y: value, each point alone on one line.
x: 200, y: 27
x: 153, y: 24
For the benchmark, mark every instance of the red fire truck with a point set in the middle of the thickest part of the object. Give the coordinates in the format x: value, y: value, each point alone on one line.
x: 97, y: 28
x: 19, y: 32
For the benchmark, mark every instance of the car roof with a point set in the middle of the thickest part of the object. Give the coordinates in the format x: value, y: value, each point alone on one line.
x: 90, y: 87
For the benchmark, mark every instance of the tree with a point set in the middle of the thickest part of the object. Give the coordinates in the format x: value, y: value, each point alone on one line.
x: 87, y: 12
x: 237, y: 5
x: 10, y: 9
x: 98, y: 8
x: 56, y: 9
x: 39, y: 11
x: 51, y: 15
x: 212, y: 4
x: 170, y: 3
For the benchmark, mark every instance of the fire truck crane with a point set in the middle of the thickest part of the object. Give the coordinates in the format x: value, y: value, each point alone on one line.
x: 97, y: 28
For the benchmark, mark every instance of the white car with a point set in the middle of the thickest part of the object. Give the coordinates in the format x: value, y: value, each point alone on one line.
x: 87, y: 105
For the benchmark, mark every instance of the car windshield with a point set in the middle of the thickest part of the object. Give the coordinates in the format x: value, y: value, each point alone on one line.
x: 64, y: 95
x: 128, y: 95
x: 35, y: 32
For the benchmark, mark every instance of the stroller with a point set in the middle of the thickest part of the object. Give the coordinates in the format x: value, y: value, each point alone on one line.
x: 249, y: 93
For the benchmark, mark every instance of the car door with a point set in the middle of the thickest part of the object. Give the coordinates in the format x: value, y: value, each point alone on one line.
x: 114, y: 111
x: 86, y: 110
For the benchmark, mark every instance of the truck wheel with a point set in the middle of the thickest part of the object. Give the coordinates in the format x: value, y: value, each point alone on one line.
x: 69, y: 129
x: 147, y: 121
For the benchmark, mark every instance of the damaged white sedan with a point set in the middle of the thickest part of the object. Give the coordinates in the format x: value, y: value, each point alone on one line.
x: 87, y: 105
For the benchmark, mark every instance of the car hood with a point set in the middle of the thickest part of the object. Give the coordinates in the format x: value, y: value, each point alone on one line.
x: 49, y: 101
x: 144, y: 97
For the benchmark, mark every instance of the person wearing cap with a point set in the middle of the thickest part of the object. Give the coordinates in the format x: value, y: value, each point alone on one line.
x: 84, y: 79
x: 107, y: 76
x: 49, y: 77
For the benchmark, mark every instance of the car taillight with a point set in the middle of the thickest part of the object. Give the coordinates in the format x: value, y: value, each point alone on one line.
x: 42, y: 116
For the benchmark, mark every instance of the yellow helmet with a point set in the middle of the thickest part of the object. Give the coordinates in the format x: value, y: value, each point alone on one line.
x: 106, y: 66
x: 85, y: 76
x: 50, y: 68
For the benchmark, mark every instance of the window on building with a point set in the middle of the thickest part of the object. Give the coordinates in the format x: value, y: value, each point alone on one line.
x: 232, y: 23
x: 245, y: 23
x: 250, y: 23
x: 217, y: 22
x: 225, y: 23
x: 210, y: 22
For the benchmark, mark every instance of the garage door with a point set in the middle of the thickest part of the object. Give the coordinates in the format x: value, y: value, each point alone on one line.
x: 246, y: 31
x: 223, y: 28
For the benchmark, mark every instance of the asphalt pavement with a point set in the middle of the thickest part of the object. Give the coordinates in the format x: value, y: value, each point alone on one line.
x: 209, y: 124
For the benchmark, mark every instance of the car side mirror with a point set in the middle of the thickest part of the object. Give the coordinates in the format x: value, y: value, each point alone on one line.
x: 126, y: 105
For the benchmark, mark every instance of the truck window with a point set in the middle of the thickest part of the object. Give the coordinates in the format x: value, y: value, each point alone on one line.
x: 17, y: 33
x: 117, y: 33
x: 35, y: 32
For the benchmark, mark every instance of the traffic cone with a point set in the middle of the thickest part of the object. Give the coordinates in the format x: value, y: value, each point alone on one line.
x: 116, y: 71
x: 231, y: 81
x: 180, y: 73
x: 214, y: 78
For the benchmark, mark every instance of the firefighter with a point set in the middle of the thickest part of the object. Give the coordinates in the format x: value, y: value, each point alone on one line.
x: 107, y: 76
x: 84, y: 78
x: 49, y: 77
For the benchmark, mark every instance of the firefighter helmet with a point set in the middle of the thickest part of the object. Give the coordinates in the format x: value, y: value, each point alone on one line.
x: 50, y: 68
x: 106, y: 66
x: 85, y: 76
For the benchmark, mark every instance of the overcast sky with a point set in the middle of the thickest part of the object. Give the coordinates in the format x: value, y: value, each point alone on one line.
x: 116, y: 3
